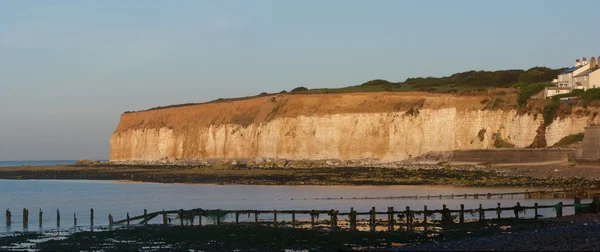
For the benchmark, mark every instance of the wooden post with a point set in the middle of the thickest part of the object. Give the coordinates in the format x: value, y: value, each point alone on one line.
x: 145, y: 217
x: 577, y: 206
x: 334, y: 217
x: 517, y: 209
x: 275, y: 223
x: 180, y: 214
x: 41, y: 214
x: 535, y: 210
x: 164, y: 215
x: 127, y: 218
x: 237, y: 217
x: 312, y: 218
x: 74, y: 219
x: 25, y: 218
x: 409, y: 219
x: 481, y: 213
x: 352, y: 219
x: 461, y: 216
x: 446, y: 216
x: 91, y: 217
x: 110, y: 220
x: 559, y: 212
x: 57, y: 218
x: 391, y: 219
x: 256, y: 217
x: 499, y: 211
x: 425, y: 218
x: 372, y: 219
x: 8, y: 217
x: 294, y: 219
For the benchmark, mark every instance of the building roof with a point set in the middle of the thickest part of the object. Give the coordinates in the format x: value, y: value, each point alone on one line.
x: 570, y: 70
x: 587, y: 72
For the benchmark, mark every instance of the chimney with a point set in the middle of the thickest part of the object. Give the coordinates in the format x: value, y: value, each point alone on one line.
x: 593, y: 62
x: 584, y: 62
x: 577, y: 63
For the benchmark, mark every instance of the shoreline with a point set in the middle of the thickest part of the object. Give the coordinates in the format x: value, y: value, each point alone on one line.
x: 428, y: 175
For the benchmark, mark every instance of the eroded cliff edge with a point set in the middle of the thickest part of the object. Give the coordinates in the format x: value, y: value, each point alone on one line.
x: 381, y: 126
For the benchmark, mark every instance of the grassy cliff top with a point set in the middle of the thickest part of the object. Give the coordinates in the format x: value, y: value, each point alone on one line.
x: 465, y: 83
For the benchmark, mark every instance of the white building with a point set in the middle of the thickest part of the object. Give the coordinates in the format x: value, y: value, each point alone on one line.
x: 583, y: 75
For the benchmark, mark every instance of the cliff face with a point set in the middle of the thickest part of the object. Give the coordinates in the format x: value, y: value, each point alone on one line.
x: 384, y: 126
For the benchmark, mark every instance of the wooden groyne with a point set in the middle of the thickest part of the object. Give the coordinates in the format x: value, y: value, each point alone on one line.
x: 373, y: 220
x: 25, y: 216
x: 540, y: 194
x: 406, y: 219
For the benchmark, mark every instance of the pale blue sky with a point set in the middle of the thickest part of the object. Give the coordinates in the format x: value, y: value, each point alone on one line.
x: 68, y: 69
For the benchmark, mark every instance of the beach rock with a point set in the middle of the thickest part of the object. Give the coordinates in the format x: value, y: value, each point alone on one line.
x: 281, y: 163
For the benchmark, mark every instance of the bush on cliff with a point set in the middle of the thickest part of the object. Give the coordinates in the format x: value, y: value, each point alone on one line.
x: 502, y: 78
x: 590, y: 95
x: 520, y: 85
x: 574, y: 93
x: 530, y: 90
x: 538, y: 74
x: 549, y: 112
x: 299, y: 89
x: 501, y: 143
x: 568, y: 140
x: 377, y: 82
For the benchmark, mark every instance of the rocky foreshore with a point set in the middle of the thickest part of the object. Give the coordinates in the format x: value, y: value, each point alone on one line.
x: 436, y: 159
x: 570, y: 233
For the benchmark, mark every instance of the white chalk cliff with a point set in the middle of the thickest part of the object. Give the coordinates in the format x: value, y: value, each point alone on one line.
x: 383, y: 126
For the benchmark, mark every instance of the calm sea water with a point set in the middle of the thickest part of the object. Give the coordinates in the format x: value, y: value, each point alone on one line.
x: 36, y: 163
x: 118, y: 198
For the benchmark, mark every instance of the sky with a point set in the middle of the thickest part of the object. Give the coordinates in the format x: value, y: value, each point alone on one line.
x: 69, y: 69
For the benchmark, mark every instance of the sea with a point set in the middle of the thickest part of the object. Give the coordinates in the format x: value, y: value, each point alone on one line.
x: 75, y: 198
x: 36, y: 163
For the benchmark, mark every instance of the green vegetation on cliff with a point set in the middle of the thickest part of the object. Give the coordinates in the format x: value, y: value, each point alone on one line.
x: 590, y: 95
x: 550, y: 111
x: 570, y: 139
x: 471, y: 80
x: 462, y: 83
x: 528, y: 90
